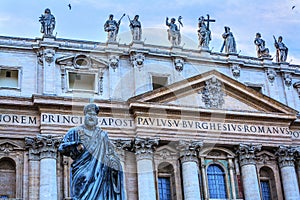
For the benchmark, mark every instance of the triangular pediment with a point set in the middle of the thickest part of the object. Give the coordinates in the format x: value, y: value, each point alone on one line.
x: 82, y: 61
x: 216, y: 92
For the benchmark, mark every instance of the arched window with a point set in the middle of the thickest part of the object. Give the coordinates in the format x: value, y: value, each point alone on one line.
x: 166, y: 181
x: 216, y: 182
x: 267, y: 184
x: 8, y: 178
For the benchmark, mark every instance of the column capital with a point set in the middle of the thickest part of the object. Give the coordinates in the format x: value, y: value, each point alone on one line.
x: 188, y: 150
x: 144, y: 147
x: 286, y: 155
x: 247, y: 153
x: 42, y: 146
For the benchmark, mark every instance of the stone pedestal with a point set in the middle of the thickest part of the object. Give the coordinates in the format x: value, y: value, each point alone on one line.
x: 144, y: 157
x: 288, y: 173
x: 190, y: 169
x: 249, y: 175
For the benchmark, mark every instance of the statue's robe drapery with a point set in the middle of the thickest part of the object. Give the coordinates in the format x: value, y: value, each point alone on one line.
x: 96, y: 172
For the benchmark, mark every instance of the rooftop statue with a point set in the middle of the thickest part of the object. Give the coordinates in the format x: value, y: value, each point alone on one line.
x: 111, y: 26
x: 281, y: 50
x: 47, y: 21
x: 204, y: 34
x: 261, y: 50
x: 229, y: 41
x: 136, y: 28
x: 174, y: 31
x: 96, y: 172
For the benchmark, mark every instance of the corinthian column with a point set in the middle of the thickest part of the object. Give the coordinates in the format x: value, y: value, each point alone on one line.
x: 33, y: 168
x: 288, y: 174
x: 144, y: 157
x: 189, y: 163
x: 48, y: 151
x: 249, y: 175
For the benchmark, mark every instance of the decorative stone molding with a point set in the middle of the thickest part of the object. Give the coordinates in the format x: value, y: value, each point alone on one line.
x: 144, y: 148
x: 297, y: 87
x: 113, y: 62
x: 247, y: 153
x: 286, y: 156
x: 82, y: 62
x: 188, y: 150
x: 137, y: 59
x: 49, y: 55
x: 178, y: 63
x: 8, y: 147
x: 213, y: 94
x: 288, y: 79
x: 44, y: 146
x: 236, y: 71
x: 271, y: 74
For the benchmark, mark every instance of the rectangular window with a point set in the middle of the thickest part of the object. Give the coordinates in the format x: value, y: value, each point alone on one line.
x: 164, y: 188
x: 9, y: 78
x: 81, y: 81
x: 159, y: 81
x: 265, y: 190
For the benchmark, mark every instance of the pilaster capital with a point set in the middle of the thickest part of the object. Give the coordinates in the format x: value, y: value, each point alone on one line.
x: 247, y: 153
x: 122, y: 145
x: 42, y: 146
x: 144, y: 147
x: 188, y: 150
x: 286, y: 155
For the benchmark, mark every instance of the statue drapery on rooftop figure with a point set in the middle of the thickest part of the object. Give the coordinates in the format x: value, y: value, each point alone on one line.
x: 281, y: 50
x: 174, y: 35
x: 261, y: 50
x: 229, y: 41
x: 136, y: 28
x: 47, y: 21
x: 111, y: 26
x: 204, y: 34
x: 96, y: 171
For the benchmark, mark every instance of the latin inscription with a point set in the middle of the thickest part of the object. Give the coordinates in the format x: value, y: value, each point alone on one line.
x: 208, y: 126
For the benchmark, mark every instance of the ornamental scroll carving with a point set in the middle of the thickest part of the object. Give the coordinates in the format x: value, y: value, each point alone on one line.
x: 213, y: 94
x: 286, y: 155
x: 188, y: 150
x: 247, y: 153
x: 144, y: 147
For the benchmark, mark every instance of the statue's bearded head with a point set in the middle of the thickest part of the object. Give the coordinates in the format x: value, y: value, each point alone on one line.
x: 90, y: 112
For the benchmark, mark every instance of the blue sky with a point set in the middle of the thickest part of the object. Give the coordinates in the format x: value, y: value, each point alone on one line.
x: 19, y: 18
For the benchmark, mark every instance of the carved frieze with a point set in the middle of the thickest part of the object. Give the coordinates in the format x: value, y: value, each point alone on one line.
x: 144, y: 147
x: 213, y: 94
x: 113, y: 62
x: 137, y: 59
x: 178, y: 63
x: 271, y: 74
x: 288, y: 80
x: 247, y: 153
x: 188, y: 150
x: 236, y: 71
x: 286, y: 155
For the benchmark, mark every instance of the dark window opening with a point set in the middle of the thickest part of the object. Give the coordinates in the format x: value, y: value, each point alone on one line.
x: 159, y: 81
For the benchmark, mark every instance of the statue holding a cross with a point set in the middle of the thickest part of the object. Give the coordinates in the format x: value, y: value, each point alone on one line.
x: 204, y: 33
